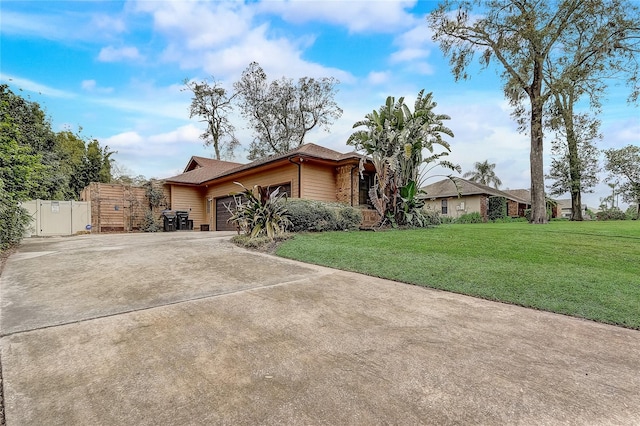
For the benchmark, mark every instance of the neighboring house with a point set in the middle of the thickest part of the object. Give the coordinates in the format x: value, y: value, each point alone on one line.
x: 309, y: 171
x: 565, y: 209
x: 465, y: 196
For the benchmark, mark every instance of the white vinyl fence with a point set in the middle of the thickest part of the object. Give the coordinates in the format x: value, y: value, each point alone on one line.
x: 51, y: 218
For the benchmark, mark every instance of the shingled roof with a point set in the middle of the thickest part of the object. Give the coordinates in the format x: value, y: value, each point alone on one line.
x: 447, y: 188
x: 209, y: 170
x: 196, y: 162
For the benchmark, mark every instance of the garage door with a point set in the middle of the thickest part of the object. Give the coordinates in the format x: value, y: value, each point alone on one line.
x: 223, y: 214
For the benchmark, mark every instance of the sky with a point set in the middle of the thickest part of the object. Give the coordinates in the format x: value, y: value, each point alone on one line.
x: 115, y: 69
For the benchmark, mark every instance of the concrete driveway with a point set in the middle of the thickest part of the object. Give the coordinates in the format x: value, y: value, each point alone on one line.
x: 187, y: 329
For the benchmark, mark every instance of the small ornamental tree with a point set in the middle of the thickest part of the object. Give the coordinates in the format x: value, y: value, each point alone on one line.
x: 260, y: 212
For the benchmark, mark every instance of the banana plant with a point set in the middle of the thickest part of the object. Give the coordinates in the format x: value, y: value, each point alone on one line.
x: 394, y: 140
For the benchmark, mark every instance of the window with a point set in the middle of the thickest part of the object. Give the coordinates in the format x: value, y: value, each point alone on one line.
x: 444, y: 207
x: 366, y: 182
x: 284, y: 187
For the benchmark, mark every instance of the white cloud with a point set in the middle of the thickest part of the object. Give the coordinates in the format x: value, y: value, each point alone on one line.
x: 33, y: 24
x: 223, y: 38
x: 115, y: 54
x: 92, y: 86
x: 52, y: 25
x: 414, y: 48
x: 199, y: 25
x: 157, y: 155
x: 378, y: 77
x: 357, y: 16
x: 278, y: 57
x: 109, y: 24
x: 18, y: 83
x: 409, y: 54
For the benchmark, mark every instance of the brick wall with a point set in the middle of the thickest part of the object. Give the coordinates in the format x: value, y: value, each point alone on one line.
x: 484, y: 205
x: 345, y: 181
x: 370, y: 218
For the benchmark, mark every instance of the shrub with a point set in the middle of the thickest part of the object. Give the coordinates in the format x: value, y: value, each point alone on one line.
x: 262, y: 242
x: 611, y: 214
x: 318, y: 216
x: 632, y: 212
x: 447, y: 219
x: 432, y: 217
x: 497, y: 208
x: 349, y: 218
x: 307, y: 215
x: 150, y: 224
x: 13, y: 219
x: 474, y: 217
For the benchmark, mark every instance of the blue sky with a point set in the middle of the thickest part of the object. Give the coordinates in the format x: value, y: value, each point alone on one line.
x: 116, y: 68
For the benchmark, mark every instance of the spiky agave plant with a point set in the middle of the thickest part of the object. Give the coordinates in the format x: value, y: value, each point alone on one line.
x: 261, y: 214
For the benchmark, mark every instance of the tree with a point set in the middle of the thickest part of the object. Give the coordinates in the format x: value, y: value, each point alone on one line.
x: 594, y: 52
x: 575, y: 176
x: 483, y: 173
x: 21, y: 172
x: 213, y: 104
x: 538, y: 45
x: 624, y: 164
x: 395, y: 140
x: 281, y: 113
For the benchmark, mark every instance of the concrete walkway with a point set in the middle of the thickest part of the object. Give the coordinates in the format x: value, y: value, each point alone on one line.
x: 187, y: 329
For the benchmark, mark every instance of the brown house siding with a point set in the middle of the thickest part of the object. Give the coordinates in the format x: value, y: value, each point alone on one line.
x: 189, y: 199
x: 318, y: 182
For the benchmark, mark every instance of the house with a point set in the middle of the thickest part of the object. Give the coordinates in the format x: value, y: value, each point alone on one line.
x: 455, y: 197
x: 565, y: 208
x: 310, y: 171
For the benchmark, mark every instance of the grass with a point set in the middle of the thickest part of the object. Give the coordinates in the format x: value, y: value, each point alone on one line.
x: 584, y: 269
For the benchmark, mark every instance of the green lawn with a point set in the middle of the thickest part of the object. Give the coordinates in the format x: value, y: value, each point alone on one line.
x: 585, y: 269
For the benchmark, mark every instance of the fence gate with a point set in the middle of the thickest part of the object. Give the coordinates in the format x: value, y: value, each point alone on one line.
x: 51, y: 218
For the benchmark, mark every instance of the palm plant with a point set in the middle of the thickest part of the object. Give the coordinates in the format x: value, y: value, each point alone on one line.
x: 394, y: 140
x: 263, y: 214
x: 483, y: 173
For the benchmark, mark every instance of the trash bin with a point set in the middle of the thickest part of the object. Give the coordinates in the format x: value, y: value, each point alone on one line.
x: 181, y: 220
x: 169, y: 218
x: 190, y: 224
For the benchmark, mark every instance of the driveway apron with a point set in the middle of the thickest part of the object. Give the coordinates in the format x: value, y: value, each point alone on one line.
x: 186, y: 328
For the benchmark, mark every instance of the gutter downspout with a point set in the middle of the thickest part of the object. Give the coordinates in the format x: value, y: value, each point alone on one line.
x: 299, y: 174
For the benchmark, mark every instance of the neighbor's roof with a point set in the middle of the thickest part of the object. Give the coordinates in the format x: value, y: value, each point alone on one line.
x: 447, y: 188
x: 523, y: 194
x: 217, y: 170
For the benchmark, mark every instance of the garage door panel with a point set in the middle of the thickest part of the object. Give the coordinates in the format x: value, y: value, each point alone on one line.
x: 223, y: 214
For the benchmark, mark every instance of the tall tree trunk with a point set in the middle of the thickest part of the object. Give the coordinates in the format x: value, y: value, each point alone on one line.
x: 575, y: 172
x: 216, y: 141
x: 538, y: 201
